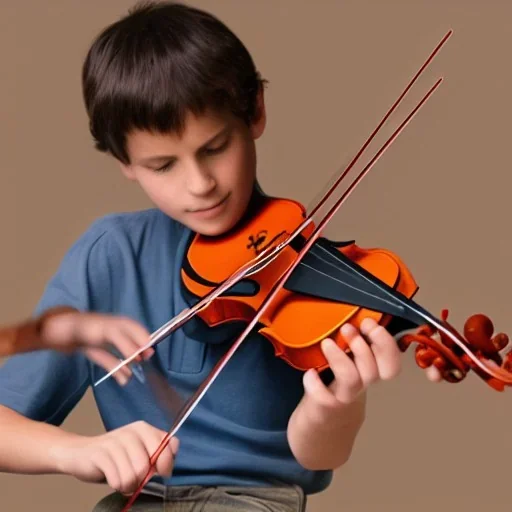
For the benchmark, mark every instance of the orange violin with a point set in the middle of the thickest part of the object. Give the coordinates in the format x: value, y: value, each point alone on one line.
x: 334, y: 283
x: 314, y: 302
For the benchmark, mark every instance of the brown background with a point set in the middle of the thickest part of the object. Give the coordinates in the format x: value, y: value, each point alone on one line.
x: 439, y: 198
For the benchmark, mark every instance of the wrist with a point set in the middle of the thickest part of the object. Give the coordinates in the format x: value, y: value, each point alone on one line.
x: 322, y: 437
x: 333, y: 418
x: 61, y: 453
x: 49, y: 326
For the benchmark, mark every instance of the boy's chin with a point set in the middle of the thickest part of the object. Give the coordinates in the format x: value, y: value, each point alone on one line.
x: 214, y: 223
x: 213, y: 227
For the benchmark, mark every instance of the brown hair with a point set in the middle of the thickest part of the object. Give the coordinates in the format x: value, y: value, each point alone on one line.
x: 163, y: 59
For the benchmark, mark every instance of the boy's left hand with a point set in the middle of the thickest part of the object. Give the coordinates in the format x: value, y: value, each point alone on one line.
x: 375, y: 357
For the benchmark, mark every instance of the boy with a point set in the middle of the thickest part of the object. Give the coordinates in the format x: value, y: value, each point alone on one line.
x: 174, y: 97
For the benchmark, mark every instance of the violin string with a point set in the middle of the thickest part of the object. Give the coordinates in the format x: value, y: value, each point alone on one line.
x: 409, y: 304
x: 336, y: 279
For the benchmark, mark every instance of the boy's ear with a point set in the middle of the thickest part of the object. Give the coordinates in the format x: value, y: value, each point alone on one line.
x: 260, y: 118
x: 128, y: 171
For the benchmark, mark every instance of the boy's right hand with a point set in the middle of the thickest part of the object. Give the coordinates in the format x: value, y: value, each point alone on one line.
x: 120, y: 457
x: 91, y: 332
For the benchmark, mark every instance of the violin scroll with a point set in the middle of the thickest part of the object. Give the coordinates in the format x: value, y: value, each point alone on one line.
x: 450, y: 360
x: 479, y: 329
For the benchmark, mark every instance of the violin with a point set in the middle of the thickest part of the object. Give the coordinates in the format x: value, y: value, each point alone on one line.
x: 275, y: 269
x: 335, y: 283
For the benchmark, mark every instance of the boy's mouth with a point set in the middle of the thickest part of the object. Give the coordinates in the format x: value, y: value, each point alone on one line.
x: 212, y: 210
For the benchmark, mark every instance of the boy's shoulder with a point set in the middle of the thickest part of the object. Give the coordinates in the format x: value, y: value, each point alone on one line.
x: 114, y: 252
x: 134, y: 229
x: 131, y: 224
x: 114, y: 241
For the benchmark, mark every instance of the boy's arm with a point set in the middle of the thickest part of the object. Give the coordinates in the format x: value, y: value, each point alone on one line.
x: 323, y: 439
x: 65, y: 329
x: 44, y: 386
x: 28, y: 446
x: 27, y: 336
x: 323, y: 428
x: 32, y: 447
x: 39, y: 388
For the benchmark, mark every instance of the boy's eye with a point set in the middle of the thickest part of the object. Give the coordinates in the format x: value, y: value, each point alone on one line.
x: 216, y: 149
x: 208, y: 151
x: 164, y: 168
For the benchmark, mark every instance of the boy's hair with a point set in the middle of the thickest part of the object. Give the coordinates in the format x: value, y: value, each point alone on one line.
x: 162, y: 60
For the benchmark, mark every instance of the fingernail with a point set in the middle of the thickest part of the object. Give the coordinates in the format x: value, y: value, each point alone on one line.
x: 328, y: 343
x: 347, y: 329
x: 122, y: 379
x: 309, y: 376
x: 368, y: 324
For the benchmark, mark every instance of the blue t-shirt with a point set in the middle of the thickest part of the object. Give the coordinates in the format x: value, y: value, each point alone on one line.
x: 129, y: 264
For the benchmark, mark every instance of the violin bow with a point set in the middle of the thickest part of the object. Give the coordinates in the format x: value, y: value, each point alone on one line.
x: 271, y: 252
x: 190, y: 405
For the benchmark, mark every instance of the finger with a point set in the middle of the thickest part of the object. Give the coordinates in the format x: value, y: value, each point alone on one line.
x: 385, y: 348
x: 348, y: 381
x: 90, y: 471
x: 165, y: 461
x: 433, y: 374
x: 107, y: 361
x: 90, y: 330
x: 125, y: 469
x: 364, y: 358
x: 106, y: 465
x: 139, y: 459
x: 138, y: 334
x: 175, y: 446
x: 123, y: 345
x: 318, y: 391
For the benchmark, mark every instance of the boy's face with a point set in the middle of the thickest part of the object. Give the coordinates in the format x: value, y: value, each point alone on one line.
x: 203, y: 178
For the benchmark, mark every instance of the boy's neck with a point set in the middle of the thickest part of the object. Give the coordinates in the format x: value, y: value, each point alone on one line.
x: 257, y: 200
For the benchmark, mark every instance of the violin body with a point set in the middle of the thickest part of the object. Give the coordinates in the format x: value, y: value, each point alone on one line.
x: 303, y: 314
x: 335, y: 283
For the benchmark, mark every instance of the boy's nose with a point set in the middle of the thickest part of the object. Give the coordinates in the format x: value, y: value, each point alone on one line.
x: 199, y: 181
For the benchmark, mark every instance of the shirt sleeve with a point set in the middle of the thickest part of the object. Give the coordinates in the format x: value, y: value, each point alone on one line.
x: 46, y: 385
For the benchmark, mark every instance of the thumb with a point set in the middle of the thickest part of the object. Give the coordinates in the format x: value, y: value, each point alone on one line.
x: 165, y: 462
